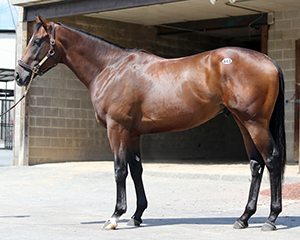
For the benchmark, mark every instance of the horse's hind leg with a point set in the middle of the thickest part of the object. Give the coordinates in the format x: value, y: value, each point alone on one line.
x: 257, y: 168
x: 272, y: 158
x: 264, y: 142
x: 136, y: 170
x: 273, y: 163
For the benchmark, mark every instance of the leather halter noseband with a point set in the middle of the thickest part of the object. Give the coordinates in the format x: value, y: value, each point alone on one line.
x: 36, y: 69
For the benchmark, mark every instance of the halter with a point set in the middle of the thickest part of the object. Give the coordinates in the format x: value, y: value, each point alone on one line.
x: 36, y: 69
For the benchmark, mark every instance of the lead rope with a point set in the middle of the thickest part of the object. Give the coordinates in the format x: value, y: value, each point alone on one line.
x: 24, y: 95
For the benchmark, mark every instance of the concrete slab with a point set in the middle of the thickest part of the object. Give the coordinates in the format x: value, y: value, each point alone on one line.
x: 5, y: 157
x: 73, y: 200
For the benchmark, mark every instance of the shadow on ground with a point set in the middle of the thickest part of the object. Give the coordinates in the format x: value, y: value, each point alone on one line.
x: 286, y: 221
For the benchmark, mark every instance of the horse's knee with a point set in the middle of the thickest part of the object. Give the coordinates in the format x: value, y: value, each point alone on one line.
x: 121, y: 173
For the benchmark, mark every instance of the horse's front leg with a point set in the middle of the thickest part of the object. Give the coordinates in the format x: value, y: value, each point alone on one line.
x: 119, y: 139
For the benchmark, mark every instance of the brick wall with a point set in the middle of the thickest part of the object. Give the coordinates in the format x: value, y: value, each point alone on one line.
x: 61, y: 123
x: 281, y: 48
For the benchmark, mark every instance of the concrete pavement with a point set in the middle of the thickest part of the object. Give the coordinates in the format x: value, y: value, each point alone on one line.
x: 186, y: 201
x: 5, y: 157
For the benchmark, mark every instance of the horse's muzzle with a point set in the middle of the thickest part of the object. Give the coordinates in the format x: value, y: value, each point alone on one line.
x: 22, y: 79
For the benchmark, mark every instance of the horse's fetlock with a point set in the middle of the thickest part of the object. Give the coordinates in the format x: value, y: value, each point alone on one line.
x: 143, y: 205
x: 120, y: 210
x: 251, y: 210
x: 276, y: 208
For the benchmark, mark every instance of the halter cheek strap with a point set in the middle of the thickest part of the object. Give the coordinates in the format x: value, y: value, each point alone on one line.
x: 36, y: 69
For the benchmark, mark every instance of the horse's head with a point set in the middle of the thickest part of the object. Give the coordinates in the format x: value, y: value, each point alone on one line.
x: 39, y: 56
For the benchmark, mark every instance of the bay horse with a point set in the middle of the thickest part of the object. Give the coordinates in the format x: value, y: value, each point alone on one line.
x: 134, y: 92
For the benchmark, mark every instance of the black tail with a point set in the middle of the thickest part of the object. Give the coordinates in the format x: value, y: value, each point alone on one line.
x: 277, y: 120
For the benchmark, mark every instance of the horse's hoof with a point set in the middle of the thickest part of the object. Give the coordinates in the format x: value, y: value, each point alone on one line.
x: 268, y: 226
x: 108, y: 225
x: 134, y: 223
x: 239, y: 225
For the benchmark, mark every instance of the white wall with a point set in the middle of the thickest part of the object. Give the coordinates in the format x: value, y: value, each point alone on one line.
x: 7, y: 54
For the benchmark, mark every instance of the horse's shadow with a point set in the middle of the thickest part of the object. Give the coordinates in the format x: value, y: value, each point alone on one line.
x: 255, y: 222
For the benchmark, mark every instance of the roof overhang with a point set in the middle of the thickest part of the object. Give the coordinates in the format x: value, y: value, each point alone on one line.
x: 152, y: 12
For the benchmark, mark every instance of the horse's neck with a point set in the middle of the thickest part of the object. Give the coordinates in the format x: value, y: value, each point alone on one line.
x: 87, y: 56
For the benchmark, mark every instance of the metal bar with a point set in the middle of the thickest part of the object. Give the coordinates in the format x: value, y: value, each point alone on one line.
x: 242, y: 7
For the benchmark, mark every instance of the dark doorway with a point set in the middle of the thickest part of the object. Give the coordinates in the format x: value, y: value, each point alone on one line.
x: 241, y: 31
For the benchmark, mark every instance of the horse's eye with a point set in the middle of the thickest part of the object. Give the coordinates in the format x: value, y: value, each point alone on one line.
x: 36, y: 42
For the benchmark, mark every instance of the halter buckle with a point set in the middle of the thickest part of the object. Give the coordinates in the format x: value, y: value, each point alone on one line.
x: 51, y: 52
x: 35, y: 70
x: 52, y: 41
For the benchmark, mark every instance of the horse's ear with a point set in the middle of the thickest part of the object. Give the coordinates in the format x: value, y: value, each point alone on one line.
x: 45, y: 23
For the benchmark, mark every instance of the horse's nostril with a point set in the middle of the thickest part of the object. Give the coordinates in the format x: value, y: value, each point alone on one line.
x: 17, y: 76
